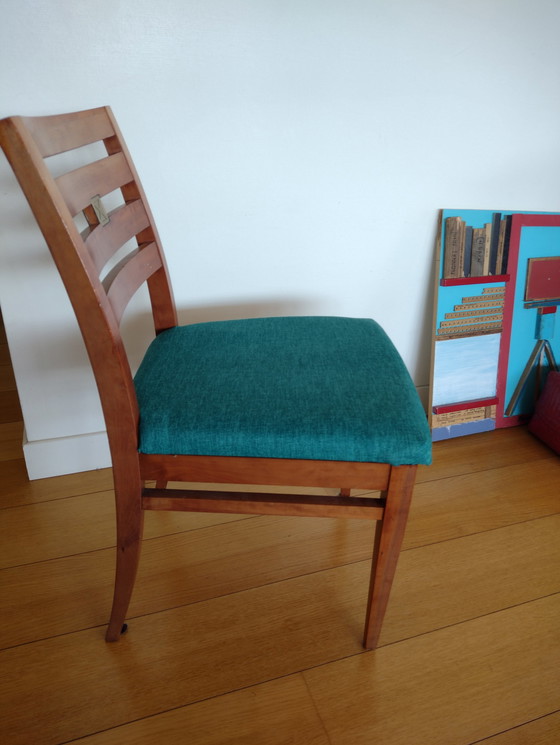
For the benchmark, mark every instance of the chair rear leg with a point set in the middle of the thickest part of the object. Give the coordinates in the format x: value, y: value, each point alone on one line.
x: 389, y: 535
x: 130, y: 524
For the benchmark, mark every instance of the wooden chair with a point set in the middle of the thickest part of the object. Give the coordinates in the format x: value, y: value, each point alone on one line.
x: 294, y: 401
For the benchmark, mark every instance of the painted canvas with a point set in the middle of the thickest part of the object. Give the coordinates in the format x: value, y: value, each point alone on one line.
x: 497, y: 290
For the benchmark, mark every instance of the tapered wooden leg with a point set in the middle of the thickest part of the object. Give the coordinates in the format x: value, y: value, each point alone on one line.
x: 388, y: 541
x: 130, y: 523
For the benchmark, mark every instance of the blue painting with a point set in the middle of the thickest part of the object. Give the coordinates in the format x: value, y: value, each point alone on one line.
x: 467, y: 369
x: 488, y: 363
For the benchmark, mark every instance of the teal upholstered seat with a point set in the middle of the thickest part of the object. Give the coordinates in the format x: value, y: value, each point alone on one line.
x: 280, y: 388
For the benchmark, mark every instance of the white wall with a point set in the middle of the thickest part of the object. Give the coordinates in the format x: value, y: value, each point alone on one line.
x: 295, y: 153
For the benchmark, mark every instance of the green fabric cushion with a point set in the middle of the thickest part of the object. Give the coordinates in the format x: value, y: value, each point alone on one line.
x: 320, y: 388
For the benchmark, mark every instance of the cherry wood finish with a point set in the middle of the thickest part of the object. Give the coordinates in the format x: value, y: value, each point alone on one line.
x: 284, y: 472
x: 263, y: 504
x: 99, y: 303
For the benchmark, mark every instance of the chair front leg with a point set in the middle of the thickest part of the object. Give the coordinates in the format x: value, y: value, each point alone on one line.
x: 389, y: 536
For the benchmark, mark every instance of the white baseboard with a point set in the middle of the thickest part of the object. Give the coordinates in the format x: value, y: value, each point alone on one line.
x: 58, y: 456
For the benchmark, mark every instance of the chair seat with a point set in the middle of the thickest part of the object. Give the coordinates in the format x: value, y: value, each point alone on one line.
x: 319, y: 388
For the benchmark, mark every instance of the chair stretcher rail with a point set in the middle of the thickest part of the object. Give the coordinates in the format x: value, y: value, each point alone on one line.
x: 262, y: 504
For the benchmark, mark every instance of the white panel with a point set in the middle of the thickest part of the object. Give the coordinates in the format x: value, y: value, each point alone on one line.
x: 57, y: 456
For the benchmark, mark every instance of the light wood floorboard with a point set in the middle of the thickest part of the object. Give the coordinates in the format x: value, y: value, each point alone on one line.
x: 543, y: 731
x: 274, y: 713
x: 18, y: 491
x: 486, y: 451
x: 455, y: 685
x: 462, y: 505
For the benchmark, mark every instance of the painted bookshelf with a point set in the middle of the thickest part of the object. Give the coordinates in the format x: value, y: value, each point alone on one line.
x: 485, y: 331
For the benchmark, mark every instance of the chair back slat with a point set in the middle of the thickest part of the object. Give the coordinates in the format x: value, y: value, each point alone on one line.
x: 129, y: 275
x: 78, y: 187
x: 58, y: 134
x: 125, y: 222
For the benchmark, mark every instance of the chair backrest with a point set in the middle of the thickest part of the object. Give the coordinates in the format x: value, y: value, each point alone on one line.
x: 104, y: 252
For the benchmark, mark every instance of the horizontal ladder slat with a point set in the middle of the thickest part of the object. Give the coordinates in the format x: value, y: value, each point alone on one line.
x: 251, y: 503
x: 58, y: 134
x: 101, y: 177
x: 125, y: 222
x: 130, y: 274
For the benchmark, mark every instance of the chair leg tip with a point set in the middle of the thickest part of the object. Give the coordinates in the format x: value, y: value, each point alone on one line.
x: 113, y: 635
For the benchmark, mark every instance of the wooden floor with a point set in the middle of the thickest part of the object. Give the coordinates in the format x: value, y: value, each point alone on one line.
x: 246, y: 630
